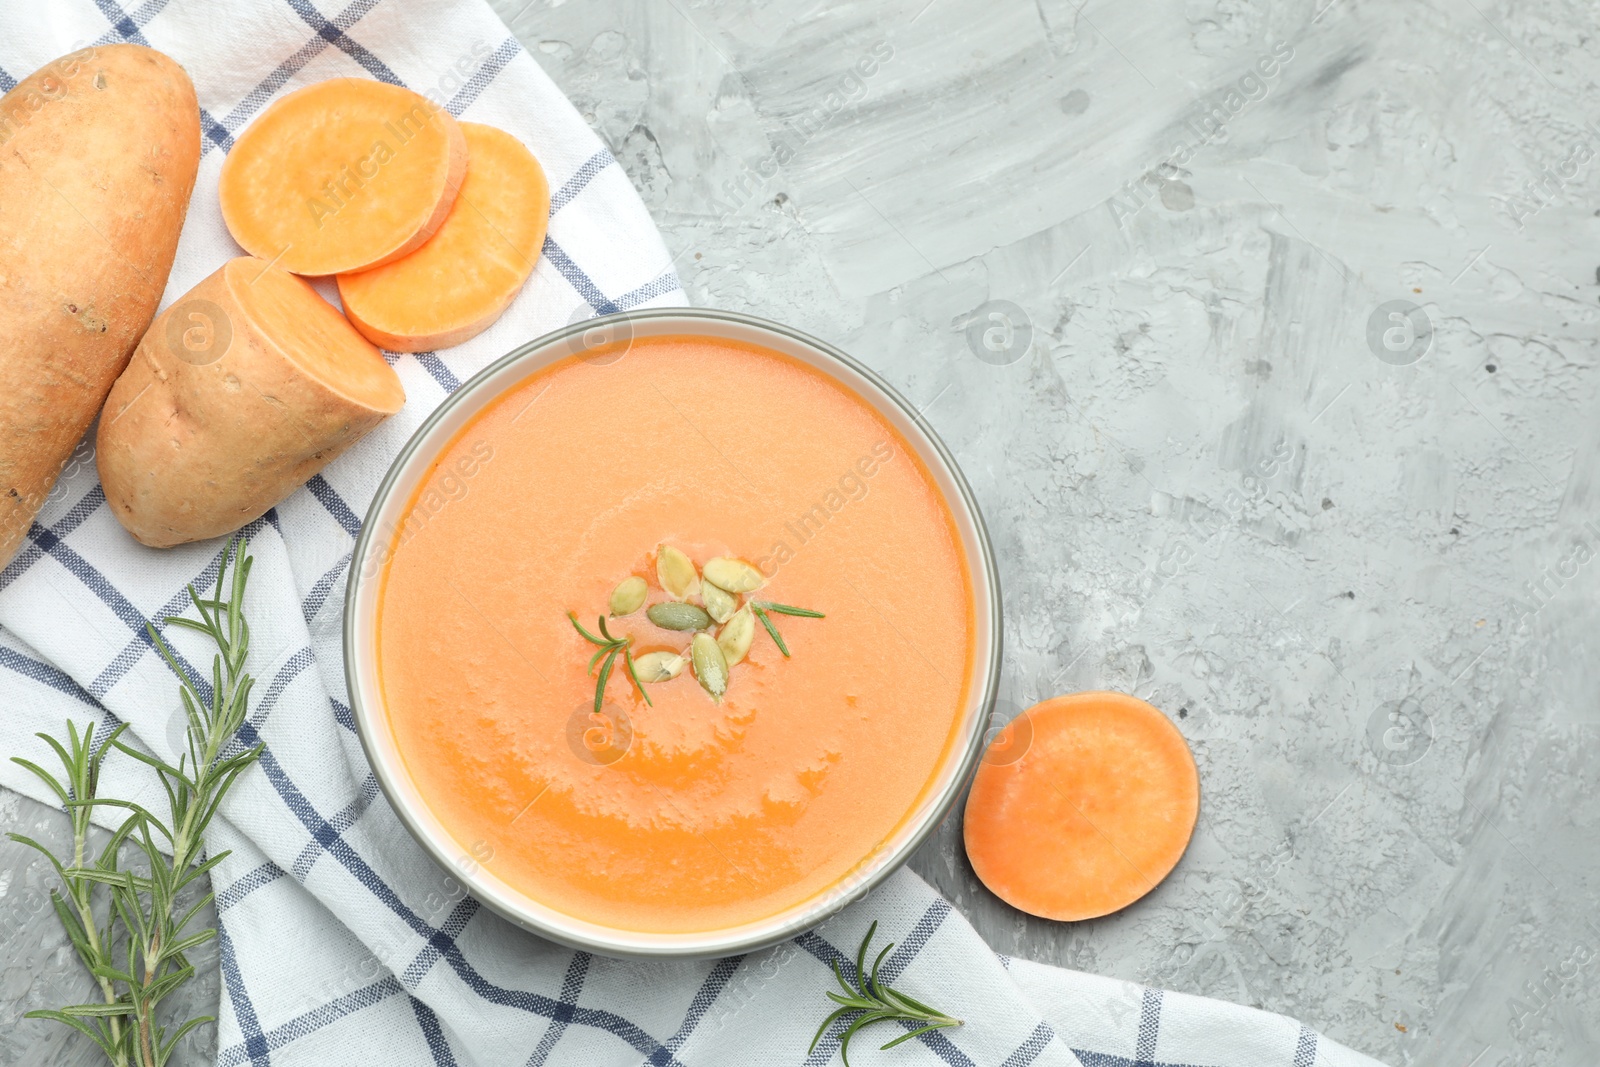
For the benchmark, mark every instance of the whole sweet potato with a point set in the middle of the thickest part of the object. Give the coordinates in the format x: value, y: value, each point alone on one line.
x: 98, y: 154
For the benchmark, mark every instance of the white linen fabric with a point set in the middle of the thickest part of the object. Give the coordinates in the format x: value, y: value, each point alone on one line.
x: 341, y: 941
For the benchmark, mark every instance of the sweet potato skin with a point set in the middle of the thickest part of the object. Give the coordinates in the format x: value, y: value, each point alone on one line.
x: 194, y: 444
x: 98, y: 155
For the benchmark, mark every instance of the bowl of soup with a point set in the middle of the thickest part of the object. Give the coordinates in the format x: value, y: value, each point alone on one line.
x: 513, y: 556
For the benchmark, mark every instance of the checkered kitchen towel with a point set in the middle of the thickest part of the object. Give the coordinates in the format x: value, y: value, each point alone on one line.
x: 341, y: 941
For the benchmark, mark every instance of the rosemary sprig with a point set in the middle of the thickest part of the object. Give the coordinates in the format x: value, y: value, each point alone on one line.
x: 877, y: 1003
x: 762, y: 607
x: 142, y: 916
x: 81, y: 759
x: 610, y: 647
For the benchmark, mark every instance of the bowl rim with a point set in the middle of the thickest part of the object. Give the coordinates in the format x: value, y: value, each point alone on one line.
x: 808, y: 913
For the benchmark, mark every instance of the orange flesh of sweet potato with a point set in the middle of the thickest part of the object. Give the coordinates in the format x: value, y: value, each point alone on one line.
x: 1097, y: 810
x: 461, y: 281
x: 317, y: 338
x: 342, y: 175
x: 245, y: 387
x: 98, y: 155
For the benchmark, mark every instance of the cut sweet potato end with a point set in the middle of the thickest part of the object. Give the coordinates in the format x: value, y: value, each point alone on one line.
x: 1095, y: 811
x: 457, y: 284
x: 311, y: 334
x: 342, y: 175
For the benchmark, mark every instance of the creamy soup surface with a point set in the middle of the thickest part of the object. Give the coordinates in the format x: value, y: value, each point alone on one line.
x: 689, y: 815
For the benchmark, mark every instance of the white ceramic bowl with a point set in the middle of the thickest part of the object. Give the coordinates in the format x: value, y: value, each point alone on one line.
x: 387, y: 512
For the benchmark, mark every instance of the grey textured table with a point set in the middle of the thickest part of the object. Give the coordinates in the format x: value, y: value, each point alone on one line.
x: 1266, y: 334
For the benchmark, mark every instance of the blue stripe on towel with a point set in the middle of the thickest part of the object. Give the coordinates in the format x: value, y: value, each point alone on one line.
x: 280, y: 681
x: 442, y: 374
x: 323, y: 588
x: 1029, y: 1050
x: 577, y: 278
x: 342, y: 513
x: 334, y: 34
x: 581, y: 178
x: 45, y: 674
x: 310, y: 1022
x: 342, y: 820
x: 484, y: 75
x: 1305, y: 1052
x: 248, y: 883
x: 571, y: 988
x: 704, y: 998
x: 1144, y: 1049
x: 244, y: 1012
x: 30, y: 552
x: 433, y: 1033
x: 343, y: 716
x: 662, y: 285
x: 1105, y: 1059
x: 122, y: 24
x: 433, y: 950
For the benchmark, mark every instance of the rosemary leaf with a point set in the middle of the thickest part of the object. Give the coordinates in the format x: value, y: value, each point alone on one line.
x: 605, y: 675
x: 790, y: 609
x: 919, y: 1032
x: 587, y: 636
x: 777, y: 638
x: 627, y: 661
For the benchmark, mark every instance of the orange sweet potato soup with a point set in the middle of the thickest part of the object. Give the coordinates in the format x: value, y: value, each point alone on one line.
x: 690, y: 813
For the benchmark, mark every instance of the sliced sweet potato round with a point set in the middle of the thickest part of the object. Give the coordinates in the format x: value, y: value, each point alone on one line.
x: 241, y: 390
x: 461, y: 281
x: 1089, y: 813
x: 343, y: 175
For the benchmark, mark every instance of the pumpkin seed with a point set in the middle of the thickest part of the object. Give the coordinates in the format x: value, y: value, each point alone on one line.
x: 734, y: 575
x: 658, y: 666
x: 710, y: 667
x: 676, y: 573
x: 674, y: 615
x: 720, y: 604
x: 628, y: 596
x: 734, y: 638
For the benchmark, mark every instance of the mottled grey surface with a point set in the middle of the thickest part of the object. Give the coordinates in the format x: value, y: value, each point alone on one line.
x: 1347, y: 552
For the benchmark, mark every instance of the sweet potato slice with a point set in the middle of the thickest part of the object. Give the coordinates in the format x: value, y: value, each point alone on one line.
x: 240, y: 391
x: 1086, y: 815
x: 342, y: 175
x: 461, y: 281
x: 98, y: 156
